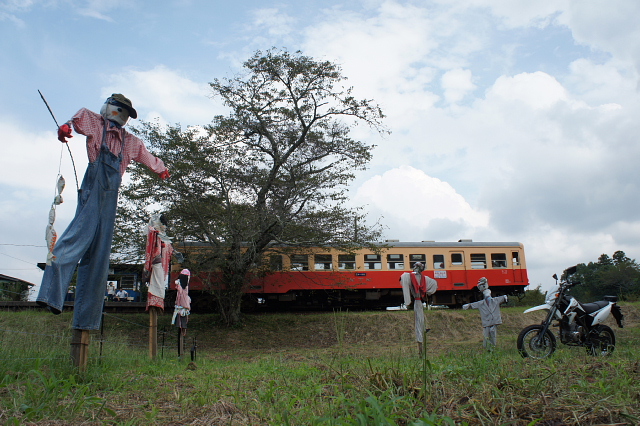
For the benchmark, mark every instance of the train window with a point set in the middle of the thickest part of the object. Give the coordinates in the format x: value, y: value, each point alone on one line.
x: 347, y: 261
x: 372, y: 261
x: 275, y: 262
x: 478, y: 261
x: 498, y: 260
x: 413, y: 258
x: 322, y: 262
x: 515, y: 256
x: 128, y: 282
x: 456, y: 259
x: 438, y: 261
x: 299, y: 262
x: 395, y: 261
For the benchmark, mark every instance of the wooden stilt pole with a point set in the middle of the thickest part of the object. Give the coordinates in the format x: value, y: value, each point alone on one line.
x: 153, y: 331
x: 180, y: 343
x: 80, y: 348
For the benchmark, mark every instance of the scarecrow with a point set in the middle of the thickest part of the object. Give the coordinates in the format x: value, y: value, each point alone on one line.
x: 182, y: 308
x: 157, y: 260
x: 88, y: 237
x: 183, y: 302
x: 489, y: 313
x: 418, y: 286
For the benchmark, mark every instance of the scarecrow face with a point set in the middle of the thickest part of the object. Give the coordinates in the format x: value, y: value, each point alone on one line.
x: 115, y: 111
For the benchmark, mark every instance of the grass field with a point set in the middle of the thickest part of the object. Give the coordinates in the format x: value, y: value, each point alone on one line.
x: 340, y: 368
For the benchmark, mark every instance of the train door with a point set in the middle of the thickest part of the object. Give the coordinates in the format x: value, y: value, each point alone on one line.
x: 516, y: 263
x: 459, y: 266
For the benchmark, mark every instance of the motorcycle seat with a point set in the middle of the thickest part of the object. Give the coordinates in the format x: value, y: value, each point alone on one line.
x: 592, y: 307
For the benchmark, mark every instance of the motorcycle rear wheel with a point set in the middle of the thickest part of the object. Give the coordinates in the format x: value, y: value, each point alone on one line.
x: 602, y: 341
x: 534, y: 345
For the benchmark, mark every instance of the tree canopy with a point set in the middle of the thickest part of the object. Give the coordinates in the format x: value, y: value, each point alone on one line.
x: 272, y: 173
x: 617, y: 275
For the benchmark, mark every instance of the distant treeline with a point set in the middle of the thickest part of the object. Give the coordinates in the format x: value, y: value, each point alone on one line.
x: 617, y: 276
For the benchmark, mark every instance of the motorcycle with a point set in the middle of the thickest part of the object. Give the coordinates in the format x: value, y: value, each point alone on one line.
x: 580, y: 324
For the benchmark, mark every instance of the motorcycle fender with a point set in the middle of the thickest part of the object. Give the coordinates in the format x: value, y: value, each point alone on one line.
x: 538, y: 308
x: 601, y: 315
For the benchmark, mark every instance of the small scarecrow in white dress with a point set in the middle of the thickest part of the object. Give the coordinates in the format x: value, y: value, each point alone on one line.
x: 490, y: 315
x: 158, y: 260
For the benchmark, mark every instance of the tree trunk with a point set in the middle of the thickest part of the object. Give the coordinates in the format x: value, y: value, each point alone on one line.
x: 230, y: 298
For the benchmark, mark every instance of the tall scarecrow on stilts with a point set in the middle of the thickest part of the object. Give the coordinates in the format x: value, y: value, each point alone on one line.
x: 88, y: 237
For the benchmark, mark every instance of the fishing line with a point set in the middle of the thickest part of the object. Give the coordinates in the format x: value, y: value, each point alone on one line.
x: 73, y: 163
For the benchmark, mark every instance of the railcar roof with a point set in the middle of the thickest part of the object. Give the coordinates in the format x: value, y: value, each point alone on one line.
x: 448, y: 244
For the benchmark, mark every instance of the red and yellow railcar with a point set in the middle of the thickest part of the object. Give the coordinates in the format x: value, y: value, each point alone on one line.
x: 322, y: 278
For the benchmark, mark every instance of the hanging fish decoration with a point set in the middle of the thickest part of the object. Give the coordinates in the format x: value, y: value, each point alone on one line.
x: 51, y: 236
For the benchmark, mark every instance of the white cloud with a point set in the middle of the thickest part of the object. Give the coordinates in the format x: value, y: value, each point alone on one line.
x: 386, y: 51
x: 538, y: 90
x: 274, y: 21
x: 166, y: 94
x: 606, y: 28
x: 99, y: 9
x: 457, y: 84
x: 520, y: 13
x: 417, y: 201
x: 31, y: 161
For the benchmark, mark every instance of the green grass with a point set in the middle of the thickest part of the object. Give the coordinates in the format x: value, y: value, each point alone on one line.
x: 343, y: 368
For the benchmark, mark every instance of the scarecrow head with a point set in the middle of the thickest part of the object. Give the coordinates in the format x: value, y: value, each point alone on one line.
x: 184, y: 277
x: 418, y: 267
x: 159, y: 222
x: 483, y: 284
x: 119, y: 109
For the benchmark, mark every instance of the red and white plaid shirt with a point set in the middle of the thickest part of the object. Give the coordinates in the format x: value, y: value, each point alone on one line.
x: 90, y: 124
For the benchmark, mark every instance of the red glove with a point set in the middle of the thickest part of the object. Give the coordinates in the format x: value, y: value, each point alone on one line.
x: 64, y: 131
x: 164, y: 175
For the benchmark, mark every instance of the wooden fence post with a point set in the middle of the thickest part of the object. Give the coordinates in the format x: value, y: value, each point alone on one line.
x: 153, y: 331
x: 180, y: 343
x: 80, y: 348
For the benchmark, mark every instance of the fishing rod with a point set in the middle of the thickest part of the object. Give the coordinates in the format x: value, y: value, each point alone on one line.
x: 56, y: 121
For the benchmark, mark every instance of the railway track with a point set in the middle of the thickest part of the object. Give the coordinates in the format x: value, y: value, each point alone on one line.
x: 68, y: 306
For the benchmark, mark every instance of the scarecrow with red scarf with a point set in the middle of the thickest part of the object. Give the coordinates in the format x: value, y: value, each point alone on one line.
x: 418, y: 286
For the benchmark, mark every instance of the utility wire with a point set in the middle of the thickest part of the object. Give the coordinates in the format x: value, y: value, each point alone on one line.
x: 13, y: 257
x: 20, y: 245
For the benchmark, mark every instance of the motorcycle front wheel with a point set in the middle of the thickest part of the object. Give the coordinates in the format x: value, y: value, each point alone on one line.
x: 532, y: 344
x: 601, y: 341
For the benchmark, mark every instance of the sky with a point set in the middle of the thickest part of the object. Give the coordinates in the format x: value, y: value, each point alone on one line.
x: 510, y: 120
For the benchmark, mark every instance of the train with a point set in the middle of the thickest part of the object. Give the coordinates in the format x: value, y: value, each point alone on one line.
x: 326, y: 278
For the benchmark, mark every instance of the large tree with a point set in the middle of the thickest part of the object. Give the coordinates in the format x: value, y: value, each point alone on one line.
x: 272, y: 173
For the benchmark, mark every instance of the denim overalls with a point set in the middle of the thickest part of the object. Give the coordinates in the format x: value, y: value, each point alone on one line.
x: 87, y: 239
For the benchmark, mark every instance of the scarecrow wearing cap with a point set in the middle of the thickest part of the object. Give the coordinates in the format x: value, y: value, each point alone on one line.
x: 418, y: 286
x: 490, y: 315
x: 88, y: 237
x: 183, y: 301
